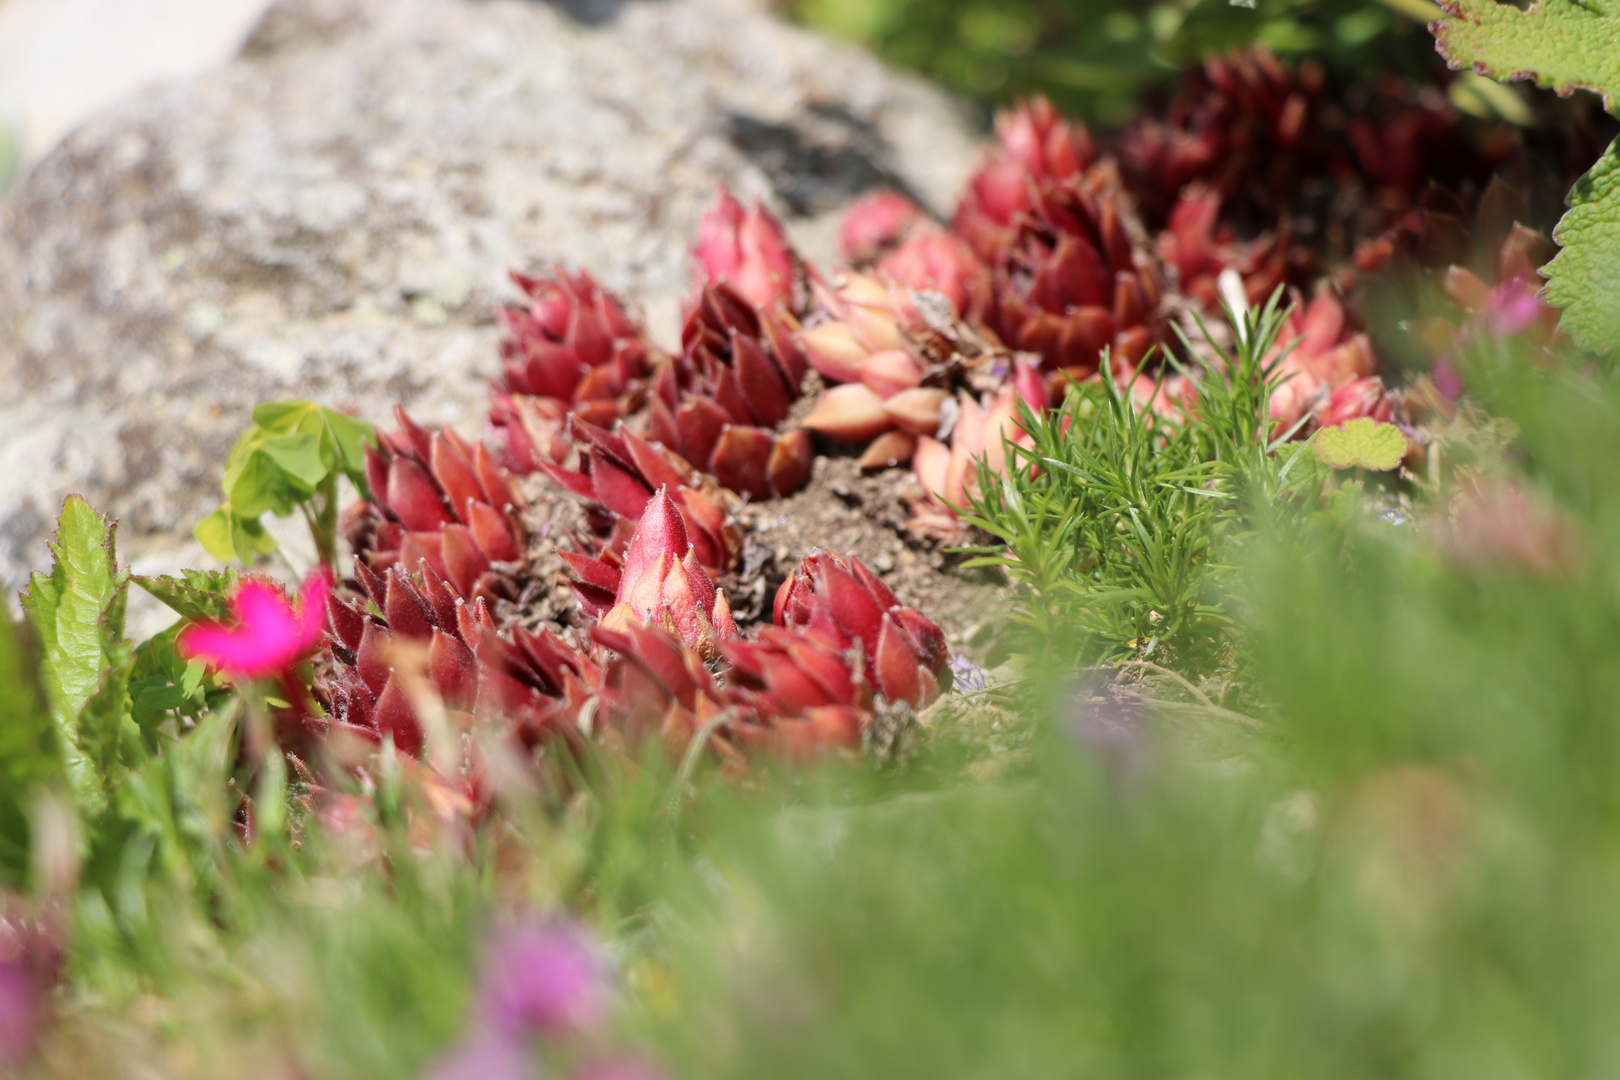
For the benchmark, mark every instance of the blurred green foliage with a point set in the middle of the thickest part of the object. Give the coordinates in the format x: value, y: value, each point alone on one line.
x: 1402, y: 865
x: 1095, y: 57
x: 1379, y: 837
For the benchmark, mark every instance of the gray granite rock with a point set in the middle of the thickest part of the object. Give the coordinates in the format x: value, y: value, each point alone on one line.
x: 332, y: 217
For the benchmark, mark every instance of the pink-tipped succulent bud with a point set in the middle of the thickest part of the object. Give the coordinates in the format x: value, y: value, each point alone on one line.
x: 574, y: 343
x: 833, y: 349
x: 753, y: 462
x: 1326, y: 353
x: 1298, y: 392
x: 1068, y: 281
x: 888, y: 450
x: 852, y: 413
x: 931, y: 258
x: 747, y: 250
x: 663, y: 583
x: 1169, y: 397
x: 1047, y: 146
x: 792, y: 692
x: 1002, y: 425
x: 1035, y: 149
x: 917, y: 411
x: 875, y: 223
x: 1361, y: 397
x: 864, y: 317
x: 839, y: 603
x: 619, y: 471
x: 437, y: 497
x: 1030, y: 385
x: 890, y: 371
x: 532, y: 429
x: 1511, y: 308
x: 931, y: 463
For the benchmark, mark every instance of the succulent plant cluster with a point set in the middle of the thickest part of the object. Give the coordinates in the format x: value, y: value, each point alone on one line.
x: 662, y: 653
x: 1066, y: 260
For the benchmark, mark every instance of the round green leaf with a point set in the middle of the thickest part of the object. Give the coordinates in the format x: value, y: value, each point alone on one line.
x: 1361, y: 443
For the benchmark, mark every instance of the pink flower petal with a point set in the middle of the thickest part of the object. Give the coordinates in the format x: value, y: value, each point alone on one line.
x: 268, y: 638
x: 235, y: 651
x: 262, y: 609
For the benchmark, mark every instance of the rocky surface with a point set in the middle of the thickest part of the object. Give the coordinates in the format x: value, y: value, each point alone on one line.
x: 332, y: 215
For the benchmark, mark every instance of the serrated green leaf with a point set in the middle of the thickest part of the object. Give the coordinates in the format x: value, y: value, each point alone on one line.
x: 78, y: 615
x: 195, y: 594
x: 1361, y: 443
x: 1563, y: 45
x: 1584, y: 277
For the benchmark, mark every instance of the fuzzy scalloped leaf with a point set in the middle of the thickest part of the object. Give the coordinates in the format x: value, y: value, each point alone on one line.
x: 1563, y: 45
x: 78, y: 614
x: 1584, y: 277
x: 1361, y: 443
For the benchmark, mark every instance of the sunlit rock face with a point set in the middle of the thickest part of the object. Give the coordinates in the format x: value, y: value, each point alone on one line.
x: 333, y: 214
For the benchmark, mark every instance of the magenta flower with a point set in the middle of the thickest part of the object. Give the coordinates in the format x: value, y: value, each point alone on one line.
x: 542, y: 980
x: 269, y: 636
x: 19, y: 1015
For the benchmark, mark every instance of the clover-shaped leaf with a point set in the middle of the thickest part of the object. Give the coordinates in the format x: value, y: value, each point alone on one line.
x: 1361, y: 443
x: 291, y: 457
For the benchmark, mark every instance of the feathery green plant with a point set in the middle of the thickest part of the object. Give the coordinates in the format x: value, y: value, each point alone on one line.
x: 1113, y: 522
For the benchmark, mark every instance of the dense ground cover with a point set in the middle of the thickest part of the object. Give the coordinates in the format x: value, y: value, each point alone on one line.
x: 1287, y: 750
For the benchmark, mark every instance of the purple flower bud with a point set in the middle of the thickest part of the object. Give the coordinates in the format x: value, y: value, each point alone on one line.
x: 542, y: 979
x: 966, y: 676
x: 487, y: 1058
x: 19, y: 1015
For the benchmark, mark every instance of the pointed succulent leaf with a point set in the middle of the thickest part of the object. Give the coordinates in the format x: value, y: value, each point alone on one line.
x: 1361, y: 443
